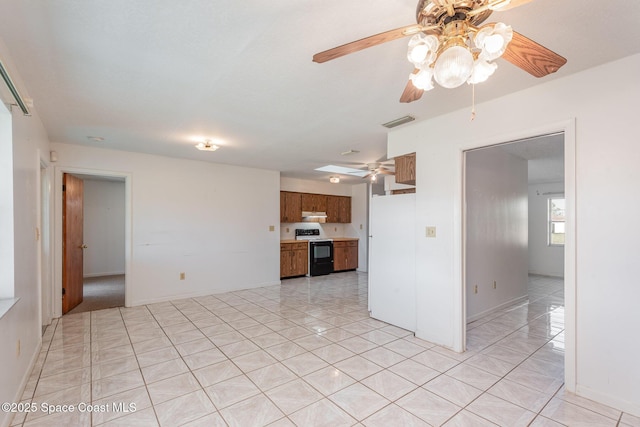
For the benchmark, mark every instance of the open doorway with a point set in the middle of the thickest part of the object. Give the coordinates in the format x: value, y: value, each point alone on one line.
x: 101, y: 241
x: 514, y: 259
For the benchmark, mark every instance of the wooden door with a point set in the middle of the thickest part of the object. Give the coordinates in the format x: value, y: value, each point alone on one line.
x: 406, y: 169
x: 72, y: 242
x: 301, y: 261
x: 290, y: 207
x: 345, y: 210
x: 314, y: 202
x: 339, y: 256
x: 352, y: 256
x: 333, y: 209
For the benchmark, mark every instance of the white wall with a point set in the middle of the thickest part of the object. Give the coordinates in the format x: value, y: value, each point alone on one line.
x: 6, y: 204
x: 543, y: 259
x: 210, y: 221
x: 22, y: 322
x: 313, y: 186
x: 602, y: 320
x: 496, y: 230
x: 104, y: 228
x: 359, y: 225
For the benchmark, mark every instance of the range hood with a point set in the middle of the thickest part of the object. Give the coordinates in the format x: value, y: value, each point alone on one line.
x: 314, y: 216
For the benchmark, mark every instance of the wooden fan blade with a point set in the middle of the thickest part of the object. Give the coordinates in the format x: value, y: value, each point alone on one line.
x: 532, y: 57
x: 411, y: 93
x: 370, y: 41
x: 498, y: 6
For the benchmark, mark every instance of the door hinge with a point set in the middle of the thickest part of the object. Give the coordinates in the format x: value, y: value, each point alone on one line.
x: 64, y: 187
x: 63, y: 291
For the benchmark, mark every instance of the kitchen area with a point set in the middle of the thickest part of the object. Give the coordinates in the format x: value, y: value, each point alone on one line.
x: 324, y: 227
x: 323, y: 219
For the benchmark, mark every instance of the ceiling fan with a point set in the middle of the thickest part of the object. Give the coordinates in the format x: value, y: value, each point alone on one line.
x: 375, y: 169
x: 448, y: 45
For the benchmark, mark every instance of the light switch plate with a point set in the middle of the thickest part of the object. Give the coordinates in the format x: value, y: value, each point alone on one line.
x: 431, y: 232
x: 272, y: 228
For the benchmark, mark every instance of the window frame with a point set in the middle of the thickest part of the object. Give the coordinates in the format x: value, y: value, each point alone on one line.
x: 551, y: 221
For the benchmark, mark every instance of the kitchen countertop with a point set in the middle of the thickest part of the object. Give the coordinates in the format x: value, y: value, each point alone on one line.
x: 335, y: 239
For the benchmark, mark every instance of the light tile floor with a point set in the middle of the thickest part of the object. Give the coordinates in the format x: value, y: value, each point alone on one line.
x: 305, y: 353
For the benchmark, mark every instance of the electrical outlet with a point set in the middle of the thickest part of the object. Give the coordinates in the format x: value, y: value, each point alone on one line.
x: 182, y: 276
x: 494, y: 284
x: 335, y: 228
x: 287, y: 229
x: 360, y: 226
x: 431, y: 232
x: 475, y: 289
x: 272, y: 228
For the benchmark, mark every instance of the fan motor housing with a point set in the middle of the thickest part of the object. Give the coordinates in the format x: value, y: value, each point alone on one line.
x: 435, y: 12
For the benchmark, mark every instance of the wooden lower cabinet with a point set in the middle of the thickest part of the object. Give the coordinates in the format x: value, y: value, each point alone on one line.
x: 294, y: 259
x: 345, y: 255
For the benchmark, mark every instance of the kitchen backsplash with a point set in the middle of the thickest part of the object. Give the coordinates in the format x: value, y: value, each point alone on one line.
x: 288, y: 231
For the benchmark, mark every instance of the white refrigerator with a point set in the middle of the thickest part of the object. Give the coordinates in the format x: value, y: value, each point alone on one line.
x: 392, y: 264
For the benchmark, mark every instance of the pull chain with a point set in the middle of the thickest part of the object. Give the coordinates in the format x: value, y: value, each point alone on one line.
x: 473, y: 102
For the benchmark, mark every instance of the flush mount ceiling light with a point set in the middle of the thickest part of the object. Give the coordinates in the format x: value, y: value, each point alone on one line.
x: 448, y: 45
x: 207, y: 145
x: 334, y: 179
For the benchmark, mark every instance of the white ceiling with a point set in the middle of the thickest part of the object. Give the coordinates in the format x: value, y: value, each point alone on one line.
x: 544, y: 155
x: 150, y: 75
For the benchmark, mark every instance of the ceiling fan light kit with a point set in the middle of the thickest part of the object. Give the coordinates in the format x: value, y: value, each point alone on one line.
x: 449, y: 46
x: 207, y: 146
x: 461, y: 54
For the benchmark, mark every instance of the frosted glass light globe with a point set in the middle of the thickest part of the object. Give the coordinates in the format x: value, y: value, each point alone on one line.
x: 453, y: 67
x: 422, y: 50
x: 494, y: 43
x: 423, y: 79
x: 482, y: 70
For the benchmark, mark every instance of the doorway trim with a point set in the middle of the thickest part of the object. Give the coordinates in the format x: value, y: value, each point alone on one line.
x: 44, y: 235
x: 57, y: 261
x: 568, y: 128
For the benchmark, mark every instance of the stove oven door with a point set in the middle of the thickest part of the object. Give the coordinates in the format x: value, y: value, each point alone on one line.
x: 320, y: 258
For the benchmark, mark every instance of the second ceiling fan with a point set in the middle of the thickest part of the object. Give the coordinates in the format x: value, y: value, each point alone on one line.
x: 448, y: 45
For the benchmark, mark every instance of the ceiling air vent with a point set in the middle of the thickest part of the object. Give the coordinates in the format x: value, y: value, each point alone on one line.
x: 398, y: 122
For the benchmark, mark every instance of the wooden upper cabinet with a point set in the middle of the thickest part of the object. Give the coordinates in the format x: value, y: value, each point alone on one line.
x: 406, y: 169
x: 290, y: 207
x: 345, y: 209
x: 339, y: 209
x: 333, y: 209
x: 314, y: 202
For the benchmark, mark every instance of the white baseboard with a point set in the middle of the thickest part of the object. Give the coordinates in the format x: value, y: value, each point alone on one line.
x: 632, y: 408
x: 198, y: 294
x: 116, y: 273
x: 547, y: 274
x: 6, y: 422
x: 496, y: 308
